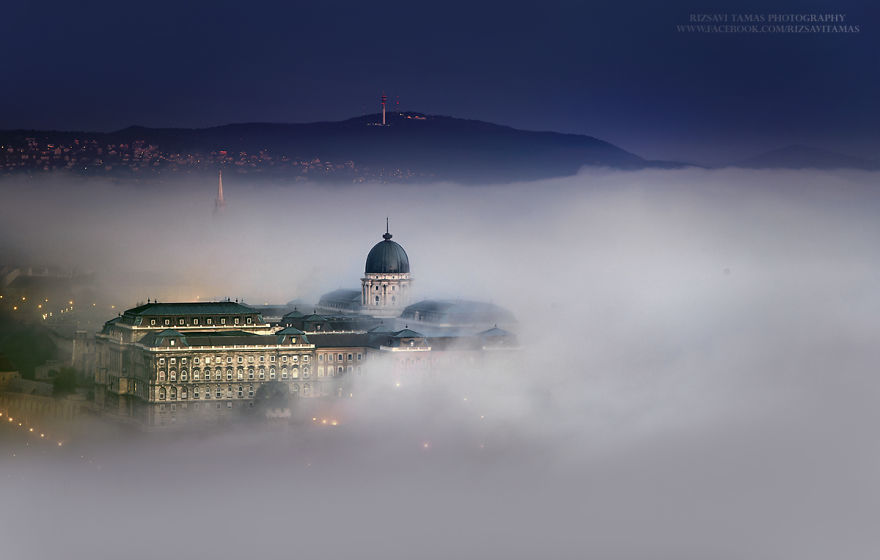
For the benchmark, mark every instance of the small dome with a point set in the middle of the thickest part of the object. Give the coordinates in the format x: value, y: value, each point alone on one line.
x: 387, y: 257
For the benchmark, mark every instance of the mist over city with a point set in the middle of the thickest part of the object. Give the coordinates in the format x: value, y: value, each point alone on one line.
x: 694, y: 376
x: 479, y: 280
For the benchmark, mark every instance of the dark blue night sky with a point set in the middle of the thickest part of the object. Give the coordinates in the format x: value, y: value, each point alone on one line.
x: 615, y: 70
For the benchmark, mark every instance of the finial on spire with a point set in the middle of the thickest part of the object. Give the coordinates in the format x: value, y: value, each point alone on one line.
x: 387, y: 235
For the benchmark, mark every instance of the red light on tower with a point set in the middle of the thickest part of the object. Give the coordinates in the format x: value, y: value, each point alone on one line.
x: 384, y: 100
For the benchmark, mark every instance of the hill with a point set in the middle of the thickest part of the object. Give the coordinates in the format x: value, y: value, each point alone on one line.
x: 412, y: 146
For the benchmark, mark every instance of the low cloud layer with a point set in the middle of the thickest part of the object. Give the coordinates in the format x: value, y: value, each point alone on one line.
x: 696, y: 379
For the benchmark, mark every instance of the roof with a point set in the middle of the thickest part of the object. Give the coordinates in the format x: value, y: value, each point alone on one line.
x: 457, y: 311
x: 345, y: 296
x: 407, y: 333
x: 343, y: 340
x: 493, y: 332
x: 387, y: 257
x: 191, y: 308
x: 290, y: 330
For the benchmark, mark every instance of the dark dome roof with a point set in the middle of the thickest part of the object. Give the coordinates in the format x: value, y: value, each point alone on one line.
x: 387, y: 257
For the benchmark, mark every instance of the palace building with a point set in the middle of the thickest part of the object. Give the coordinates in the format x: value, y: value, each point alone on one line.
x: 156, y: 360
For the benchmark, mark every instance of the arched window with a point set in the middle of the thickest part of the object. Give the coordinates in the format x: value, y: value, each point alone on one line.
x: 262, y: 373
x: 250, y: 373
x: 284, y: 373
x: 339, y: 370
x: 229, y: 374
x: 196, y: 375
x: 172, y: 375
x: 377, y: 298
x: 272, y: 372
x: 174, y: 393
x: 183, y: 393
x: 161, y: 376
x: 294, y: 372
x: 161, y: 393
x: 183, y: 375
x: 240, y: 391
x: 239, y: 373
x: 306, y: 389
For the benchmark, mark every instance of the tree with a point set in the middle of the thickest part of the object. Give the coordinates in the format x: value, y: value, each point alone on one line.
x: 65, y: 382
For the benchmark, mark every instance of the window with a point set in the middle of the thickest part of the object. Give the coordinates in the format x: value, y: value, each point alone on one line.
x: 250, y: 359
x: 329, y: 357
x: 248, y: 320
x: 219, y: 392
x: 320, y: 357
x: 306, y: 359
x: 377, y: 298
x: 207, y: 392
x: 229, y: 392
x: 152, y: 321
x: 196, y: 360
x: 196, y: 392
x: 196, y: 375
x: 284, y: 373
x: 228, y: 359
x: 271, y: 358
x: 161, y: 360
x: 239, y: 374
x: 240, y: 391
x: 183, y: 360
x: 183, y: 393
x: 195, y: 322
x: 295, y: 359
x: 229, y: 374
x: 167, y: 322
x: 209, y: 320
x: 339, y: 357
x: 218, y: 375
x: 294, y: 373
x: 236, y: 321
x: 251, y: 391
x: 240, y: 359
x: 250, y: 373
x: 223, y: 321
x: 183, y: 375
x: 173, y: 360
x: 339, y: 370
x: 359, y: 357
x: 262, y: 359
x: 173, y: 375
x: 162, y: 394
x: 180, y: 321
x: 172, y: 342
x: 283, y: 358
x: 306, y: 389
x: 173, y: 395
x: 262, y: 373
x: 349, y: 356
x: 161, y: 376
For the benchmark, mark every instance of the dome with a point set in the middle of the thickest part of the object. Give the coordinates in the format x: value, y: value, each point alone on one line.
x: 387, y: 257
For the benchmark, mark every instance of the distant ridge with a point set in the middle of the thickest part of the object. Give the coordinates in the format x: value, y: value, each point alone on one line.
x: 805, y: 157
x: 414, y: 145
